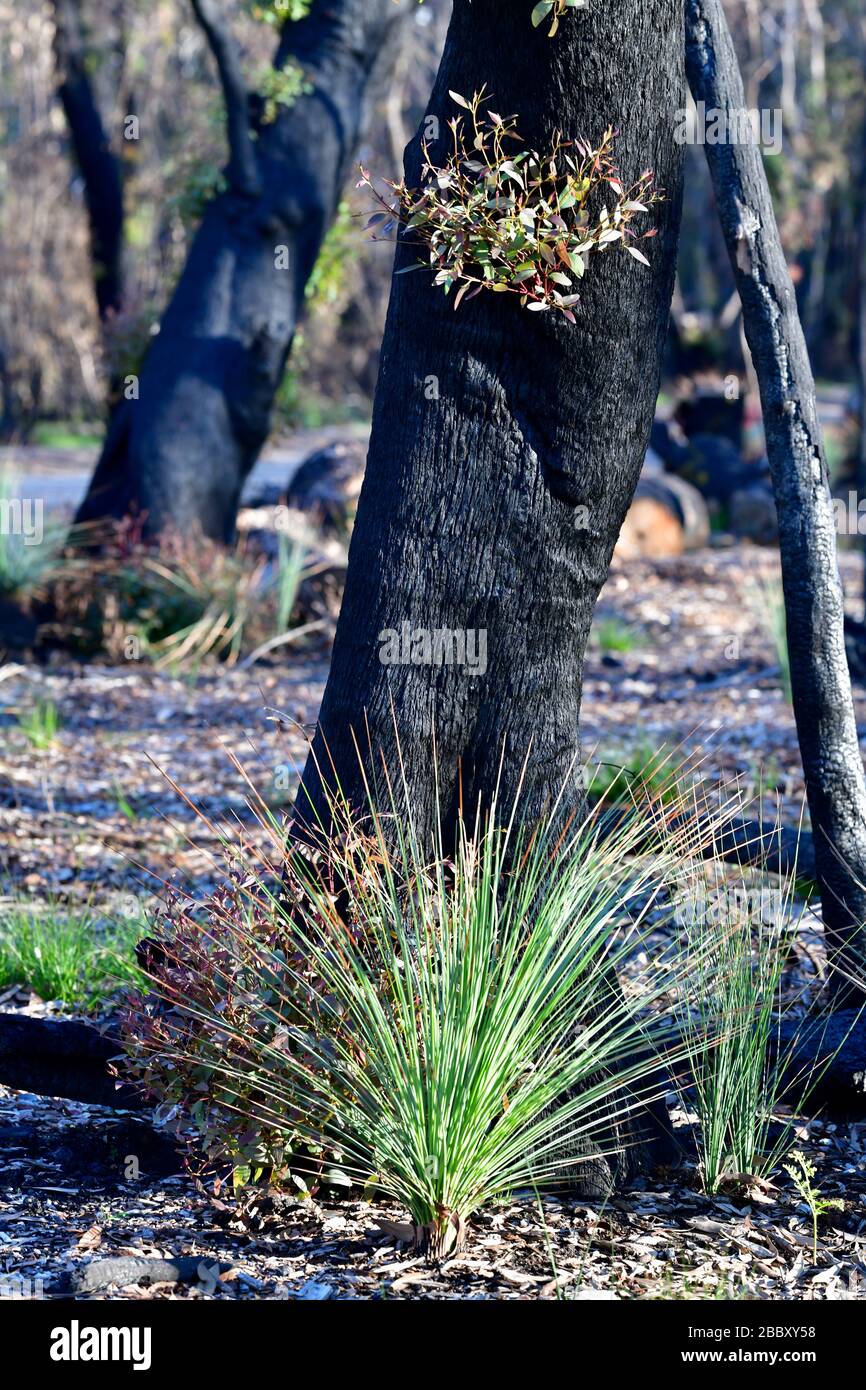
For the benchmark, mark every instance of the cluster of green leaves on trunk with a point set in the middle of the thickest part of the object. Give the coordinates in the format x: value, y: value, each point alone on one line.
x: 517, y: 222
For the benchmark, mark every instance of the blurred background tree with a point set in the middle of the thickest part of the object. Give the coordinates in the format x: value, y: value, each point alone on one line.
x: 148, y: 59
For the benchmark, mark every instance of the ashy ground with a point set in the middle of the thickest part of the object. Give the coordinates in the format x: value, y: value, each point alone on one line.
x: 683, y: 657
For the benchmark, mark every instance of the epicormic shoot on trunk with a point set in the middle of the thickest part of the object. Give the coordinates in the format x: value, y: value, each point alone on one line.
x: 521, y: 223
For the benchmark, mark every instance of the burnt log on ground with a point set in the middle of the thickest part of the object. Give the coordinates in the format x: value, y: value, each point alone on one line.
x: 328, y: 484
x: 748, y: 843
x: 64, y: 1058
x: 832, y: 1049
x: 667, y: 517
x: 122, y: 1270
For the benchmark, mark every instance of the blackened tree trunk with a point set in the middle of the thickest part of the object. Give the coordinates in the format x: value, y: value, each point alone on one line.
x: 823, y: 704
x: 861, y: 338
x: 179, y: 449
x: 506, y: 444
x: 100, y: 165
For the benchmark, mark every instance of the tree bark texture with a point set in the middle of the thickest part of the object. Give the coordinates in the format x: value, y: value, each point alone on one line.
x: 506, y: 445
x: 823, y: 704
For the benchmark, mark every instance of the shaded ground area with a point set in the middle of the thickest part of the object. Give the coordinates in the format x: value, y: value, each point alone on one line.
x: 65, y: 1206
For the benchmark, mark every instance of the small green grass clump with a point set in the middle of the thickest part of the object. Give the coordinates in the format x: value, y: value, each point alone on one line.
x: 40, y: 723
x: 746, y: 1086
x: 61, y: 954
x: 614, y: 635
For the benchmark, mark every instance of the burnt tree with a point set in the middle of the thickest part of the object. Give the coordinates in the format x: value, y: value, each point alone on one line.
x: 823, y: 704
x: 179, y: 452
x: 99, y: 164
x: 506, y: 445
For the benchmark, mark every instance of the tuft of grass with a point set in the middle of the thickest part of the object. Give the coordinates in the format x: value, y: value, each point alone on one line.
x: 41, y: 722
x: 769, y: 606
x: 66, y: 955
x: 177, y: 603
x: 739, y: 945
x: 614, y: 635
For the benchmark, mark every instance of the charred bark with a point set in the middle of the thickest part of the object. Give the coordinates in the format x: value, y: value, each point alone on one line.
x: 180, y: 451
x: 60, y: 1057
x: 506, y: 445
x: 100, y: 166
x: 823, y: 704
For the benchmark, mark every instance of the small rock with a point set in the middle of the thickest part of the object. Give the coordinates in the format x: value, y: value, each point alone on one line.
x: 316, y: 1291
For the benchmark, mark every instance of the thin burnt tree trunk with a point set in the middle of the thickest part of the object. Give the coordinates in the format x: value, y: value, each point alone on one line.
x: 823, y: 704
x: 100, y: 166
x: 861, y: 346
x: 178, y: 451
x: 506, y: 445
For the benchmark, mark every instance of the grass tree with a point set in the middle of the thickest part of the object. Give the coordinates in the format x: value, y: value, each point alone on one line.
x: 519, y: 375
x: 445, y: 1034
